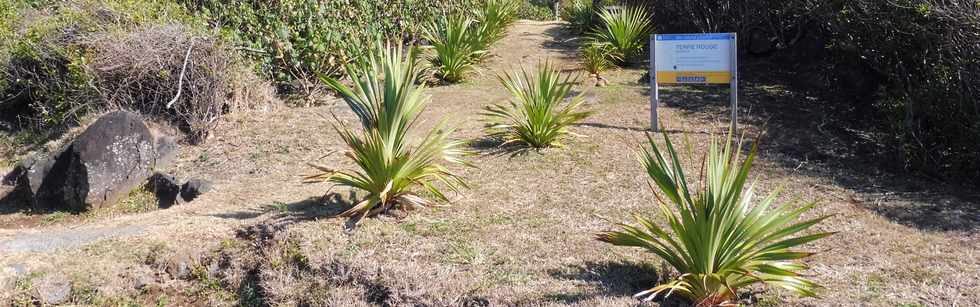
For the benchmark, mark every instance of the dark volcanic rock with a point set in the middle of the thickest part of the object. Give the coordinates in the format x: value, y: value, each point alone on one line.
x: 108, y: 160
x: 30, y: 173
x: 105, y: 162
x: 194, y: 188
x: 166, y: 189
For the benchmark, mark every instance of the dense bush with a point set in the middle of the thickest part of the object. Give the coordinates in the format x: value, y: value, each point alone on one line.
x: 69, y: 58
x: 144, y: 70
x: 927, y: 54
x: 913, y: 64
x: 294, y: 41
x: 535, y: 10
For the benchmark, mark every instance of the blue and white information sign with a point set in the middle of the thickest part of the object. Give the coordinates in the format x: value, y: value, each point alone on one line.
x: 694, y: 58
x: 698, y: 58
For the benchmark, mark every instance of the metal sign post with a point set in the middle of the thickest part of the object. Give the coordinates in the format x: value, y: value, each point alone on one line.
x: 654, y: 86
x: 707, y: 58
x: 734, y: 85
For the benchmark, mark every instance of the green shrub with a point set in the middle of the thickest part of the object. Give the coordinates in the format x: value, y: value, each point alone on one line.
x: 295, y: 41
x: 8, y: 18
x: 388, y: 102
x: 625, y: 29
x: 719, y: 240
x: 45, y: 79
x: 535, y: 10
x: 927, y: 56
x: 906, y: 73
x: 537, y: 114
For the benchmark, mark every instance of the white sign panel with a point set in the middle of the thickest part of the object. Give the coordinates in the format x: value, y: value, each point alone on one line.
x: 706, y: 58
x: 694, y: 58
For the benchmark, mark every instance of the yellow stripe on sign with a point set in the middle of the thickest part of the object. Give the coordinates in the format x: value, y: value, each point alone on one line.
x: 696, y: 77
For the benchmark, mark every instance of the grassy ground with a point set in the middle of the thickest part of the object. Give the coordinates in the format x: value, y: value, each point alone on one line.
x: 523, y: 234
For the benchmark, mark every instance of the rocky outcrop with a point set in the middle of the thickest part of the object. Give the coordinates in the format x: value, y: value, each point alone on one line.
x: 110, y: 158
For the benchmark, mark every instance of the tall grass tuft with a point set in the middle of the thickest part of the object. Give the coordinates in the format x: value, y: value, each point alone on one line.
x: 537, y: 114
x: 388, y: 102
x: 721, y: 238
x: 625, y: 29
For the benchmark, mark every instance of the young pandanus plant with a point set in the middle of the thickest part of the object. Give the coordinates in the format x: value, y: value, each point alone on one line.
x: 719, y: 237
x: 391, y: 168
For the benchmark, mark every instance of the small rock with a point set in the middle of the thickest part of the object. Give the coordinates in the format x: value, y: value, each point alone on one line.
x: 180, y: 264
x: 30, y: 173
x: 194, y: 188
x: 53, y: 289
x: 165, y: 188
x: 601, y: 82
x: 19, y: 269
x: 10, y: 274
x: 140, y: 279
x: 179, y: 269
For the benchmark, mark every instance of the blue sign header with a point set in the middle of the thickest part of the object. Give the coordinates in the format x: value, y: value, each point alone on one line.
x: 694, y: 37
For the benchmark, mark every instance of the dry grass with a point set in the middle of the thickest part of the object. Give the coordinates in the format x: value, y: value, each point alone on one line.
x: 523, y: 234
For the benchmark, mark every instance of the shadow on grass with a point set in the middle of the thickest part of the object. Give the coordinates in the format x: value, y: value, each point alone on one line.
x: 495, y: 147
x: 646, y: 129
x: 563, y: 40
x: 807, y: 134
x: 817, y: 137
x: 610, y: 279
x: 279, y: 215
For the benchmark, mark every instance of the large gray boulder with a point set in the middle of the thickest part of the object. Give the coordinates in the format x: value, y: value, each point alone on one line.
x: 109, y: 159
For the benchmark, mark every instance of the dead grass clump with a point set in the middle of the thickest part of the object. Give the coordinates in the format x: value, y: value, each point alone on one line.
x: 272, y: 264
x: 70, y: 59
x: 168, y: 71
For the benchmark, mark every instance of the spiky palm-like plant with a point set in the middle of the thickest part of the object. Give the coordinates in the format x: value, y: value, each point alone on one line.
x: 720, y: 239
x: 537, y: 114
x: 387, y: 102
x: 597, y: 58
x: 493, y: 17
x: 457, y: 46
x: 625, y: 29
